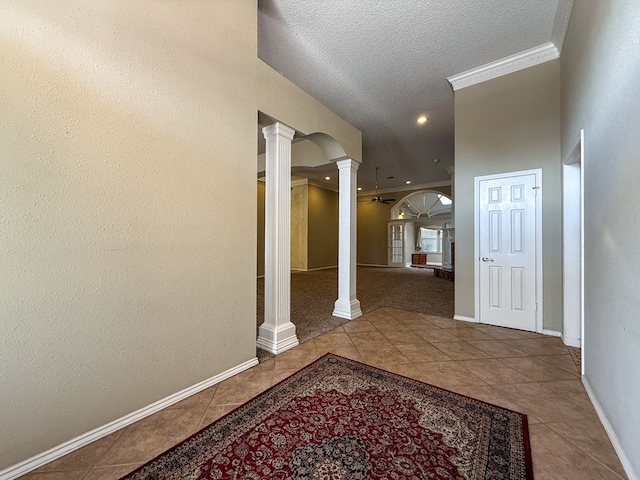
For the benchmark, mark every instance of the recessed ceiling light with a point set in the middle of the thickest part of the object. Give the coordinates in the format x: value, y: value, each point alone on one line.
x: 327, y: 178
x: 422, y: 119
x: 408, y: 182
x: 436, y: 160
x: 359, y: 188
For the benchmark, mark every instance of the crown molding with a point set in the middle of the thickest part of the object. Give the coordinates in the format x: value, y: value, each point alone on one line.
x: 514, y: 63
x: 561, y: 23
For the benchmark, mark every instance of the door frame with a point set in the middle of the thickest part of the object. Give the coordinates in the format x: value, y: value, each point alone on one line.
x: 573, y: 247
x: 538, y: 250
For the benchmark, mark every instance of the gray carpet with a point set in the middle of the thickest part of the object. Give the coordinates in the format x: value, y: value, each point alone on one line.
x: 313, y: 295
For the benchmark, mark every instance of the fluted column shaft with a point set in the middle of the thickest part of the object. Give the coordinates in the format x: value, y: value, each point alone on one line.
x: 347, y: 305
x: 277, y: 333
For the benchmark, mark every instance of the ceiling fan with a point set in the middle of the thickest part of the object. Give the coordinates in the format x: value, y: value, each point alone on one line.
x: 377, y: 198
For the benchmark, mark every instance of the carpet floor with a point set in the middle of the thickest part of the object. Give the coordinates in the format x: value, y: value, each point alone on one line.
x: 344, y: 420
x: 313, y: 295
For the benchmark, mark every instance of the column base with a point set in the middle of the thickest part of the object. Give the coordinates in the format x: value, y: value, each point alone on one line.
x: 277, y: 339
x: 347, y: 309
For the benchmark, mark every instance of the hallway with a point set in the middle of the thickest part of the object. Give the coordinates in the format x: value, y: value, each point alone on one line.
x: 523, y: 371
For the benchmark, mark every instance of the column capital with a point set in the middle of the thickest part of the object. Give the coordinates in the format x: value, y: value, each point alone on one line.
x: 279, y: 129
x: 347, y: 163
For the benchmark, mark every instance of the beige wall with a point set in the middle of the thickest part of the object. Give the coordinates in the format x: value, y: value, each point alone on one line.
x: 299, y: 226
x: 600, y: 93
x: 373, y: 219
x: 128, y: 140
x: 508, y: 124
x: 260, y: 224
x: 323, y: 227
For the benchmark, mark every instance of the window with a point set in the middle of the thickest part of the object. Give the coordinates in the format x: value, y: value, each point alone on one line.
x: 431, y: 240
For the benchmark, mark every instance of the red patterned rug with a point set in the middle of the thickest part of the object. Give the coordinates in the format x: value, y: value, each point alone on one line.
x: 341, y: 419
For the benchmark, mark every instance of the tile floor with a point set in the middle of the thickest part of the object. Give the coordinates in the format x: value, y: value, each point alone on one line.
x: 523, y: 371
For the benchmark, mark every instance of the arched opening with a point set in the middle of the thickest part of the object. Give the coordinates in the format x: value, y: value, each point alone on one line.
x: 422, y: 225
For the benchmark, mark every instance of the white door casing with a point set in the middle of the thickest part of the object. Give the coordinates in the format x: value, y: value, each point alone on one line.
x: 396, y: 245
x: 508, y: 250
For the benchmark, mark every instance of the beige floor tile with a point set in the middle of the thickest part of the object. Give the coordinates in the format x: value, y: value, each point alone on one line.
x: 446, y: 375
x: 422, y: 352
x: 394, y: 326
x: 382, y: 355
x: 500, y: 333
x: 497, y: 349
x: 555, y: 458
x: 468, y: 334
x: 460, y: 350
x: 214, y: 412
x: 85, y: 457
x: 333, y: 340
x: 361, y: 326
x: 403, y: 337
x: 449, y: 323
x: 537, y: 370
x: 240, y: 389
x: 296, y: 358
x: 369, y: 338
x: 544, y: 404
x: 563, y: 362
x: 151, y: 436
x: 536, y: 347
x: 493, y: 372
x: 199, y: 401
x: 65, y: 475
x: 592, y: 439
x: 489, y: 394
x: 347, y: 352
x: 418, y: 322
x: 111, y: 473
x: 571, y: 389
x: 433, y: 335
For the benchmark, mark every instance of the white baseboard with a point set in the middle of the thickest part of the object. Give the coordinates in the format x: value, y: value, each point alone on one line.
x: 65, y: 448
x: 571, y: 342
x: 295, y: 270
x: 462, y: 318
x: 552, y: 333
x: 617, y: 446
x: 374, y: 265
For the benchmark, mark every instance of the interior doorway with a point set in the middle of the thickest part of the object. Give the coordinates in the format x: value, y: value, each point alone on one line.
x: 573, y: 247
x: 508, y: 247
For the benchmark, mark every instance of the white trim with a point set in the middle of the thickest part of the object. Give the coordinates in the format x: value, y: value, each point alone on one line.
x: 462, y: 318
x: 406, y: 188
x: 374, y: 265
x: 313, y: 269
x: 571, y: 342
x: 617, y: 446
x: 476, y: 241
x: 80, y: 441
x: 561, y: 23
x: 551, y: 333
x: 519, y: 61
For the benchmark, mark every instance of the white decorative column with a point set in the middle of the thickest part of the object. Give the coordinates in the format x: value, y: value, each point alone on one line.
x: 347, y: 305
x: 277, y: 333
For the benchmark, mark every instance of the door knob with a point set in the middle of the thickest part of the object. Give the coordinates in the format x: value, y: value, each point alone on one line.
x: 487, y: 259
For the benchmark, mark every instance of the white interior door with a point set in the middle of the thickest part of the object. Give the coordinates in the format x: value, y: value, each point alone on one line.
x: 396, y: 245
x: 507, y: 250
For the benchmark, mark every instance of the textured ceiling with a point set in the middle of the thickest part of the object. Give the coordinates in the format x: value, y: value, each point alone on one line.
x: 381, y: 64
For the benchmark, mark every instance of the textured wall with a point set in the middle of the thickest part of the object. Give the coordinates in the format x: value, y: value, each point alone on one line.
x: 509, y: 124
x: 373, y: 219
x: 299, y: 226
x: 601, y: 93
x: 127, y: 206
x: 323, y: 227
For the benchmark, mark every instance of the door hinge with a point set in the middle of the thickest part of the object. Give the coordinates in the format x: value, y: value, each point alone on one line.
x: 536, y: 189
x: 536, y: 306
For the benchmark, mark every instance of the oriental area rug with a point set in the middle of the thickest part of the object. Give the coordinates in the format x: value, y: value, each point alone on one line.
x: 340, y: 419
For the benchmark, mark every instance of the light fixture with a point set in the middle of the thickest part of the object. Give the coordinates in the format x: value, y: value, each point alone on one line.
x: 436, y: 160
x: 422, y: 119
x: 359, y: 189
x: 327, y: 178
x: 408, y: 182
